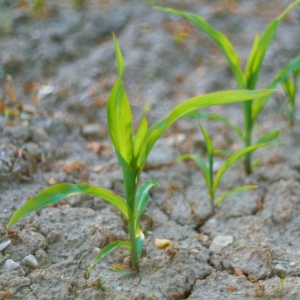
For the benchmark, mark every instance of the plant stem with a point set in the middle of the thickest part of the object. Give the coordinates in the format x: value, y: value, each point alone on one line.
x: 247, y: 109
x: 132, y: 228
x: 248, y: 142
x: 132, y: 235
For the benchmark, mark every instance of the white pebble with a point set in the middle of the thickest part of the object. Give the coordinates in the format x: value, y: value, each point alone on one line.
x: 96, y: 251
x: 31, y: 261
x: 119, y: 289
x: 292, y: 264
x: 4, y: 245
x: 220, y: 242
x: 10, y: 264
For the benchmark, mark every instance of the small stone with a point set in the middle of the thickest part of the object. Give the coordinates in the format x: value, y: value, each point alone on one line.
x: 92, y: 131
x: 96, y: 251
x: 4, y: 245
x: 41, y: 256
x: 11, y: 265
x: 280, y: 271
x: 292, y: 264
x: 30, y: 109
x: 33, y: 149
x: 195, y: 251
x: 31, y: 261
x: 38, y: 134
x: 201, y: 237
x: 53, y: 237
x: 220, y: 242
x: 127, y: 261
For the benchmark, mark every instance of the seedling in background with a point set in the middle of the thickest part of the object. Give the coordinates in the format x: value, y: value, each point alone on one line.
x: 132, y: 153
x: 212, y: 182
x: 249, y: 78
x: 290, y: 86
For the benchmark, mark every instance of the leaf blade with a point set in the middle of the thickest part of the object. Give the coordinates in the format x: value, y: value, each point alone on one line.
x: 232, y: 159
x: 259, y: 103
x: 60, y: 191
x: 201, y: 163
x: 236, y: 191
x: 142, y: 197
x: 156, y: 130
x: 219, y: 38
x: 119, y: 114
x: 108, y: 249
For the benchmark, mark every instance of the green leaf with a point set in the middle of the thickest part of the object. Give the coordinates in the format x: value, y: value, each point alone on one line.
x: 269, y: 137
x: 142, y: 196
x: 207, y: 139
x: 260, y: 47
x: 210, y: 151
x: 215, y: 117
x: 219, y: 38
x: 119, y: 57
x: 259, y: 103
x: 251, y: 58
x: 120, y: 121
x: 106, y: 250
x: 139, y: 145
x: 235, y: 192
x: 139, y: 243
x: 232, y: 159
x: 119, y: 114
x: 60, y: 191
x: 129, y: 175
x: 202, y: 165
x: 155, y: 131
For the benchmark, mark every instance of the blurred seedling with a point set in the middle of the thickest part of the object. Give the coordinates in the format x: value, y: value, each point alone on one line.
x: 248, y: 78
x: 11, y: 107
x: 212, y: 181
x: 132, y: 153
x: 290, y: 86
x: 99, y: 282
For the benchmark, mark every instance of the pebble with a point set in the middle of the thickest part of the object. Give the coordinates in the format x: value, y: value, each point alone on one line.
x: 31, y: 261
x: 280, y: 271
x: 96, y: 251
x: 220, y: 242
x: 41, y: 255
x: 292, y: 264
x: 53, y: 237
x: 4, y: 245
x: 11, y: 265
x: 92, y: 131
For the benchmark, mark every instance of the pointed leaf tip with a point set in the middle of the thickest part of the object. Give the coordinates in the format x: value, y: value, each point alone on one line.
x: 119, y: 57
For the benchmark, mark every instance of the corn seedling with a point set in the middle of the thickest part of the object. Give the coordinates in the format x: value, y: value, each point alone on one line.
x: 212, y: 182
x: 132, y: 153
x: 290, y: 86
x: 249, y: 78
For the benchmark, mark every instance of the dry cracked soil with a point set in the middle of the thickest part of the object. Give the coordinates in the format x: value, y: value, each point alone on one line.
x: 62, y: 66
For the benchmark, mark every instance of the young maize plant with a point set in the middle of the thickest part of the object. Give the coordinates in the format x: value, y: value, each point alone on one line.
x: 212, y: 182
x: 249, y: 78
x: 290, y: 86
x: 132, y: 153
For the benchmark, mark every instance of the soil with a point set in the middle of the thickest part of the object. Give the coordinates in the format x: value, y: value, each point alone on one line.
x: 62, y: 63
